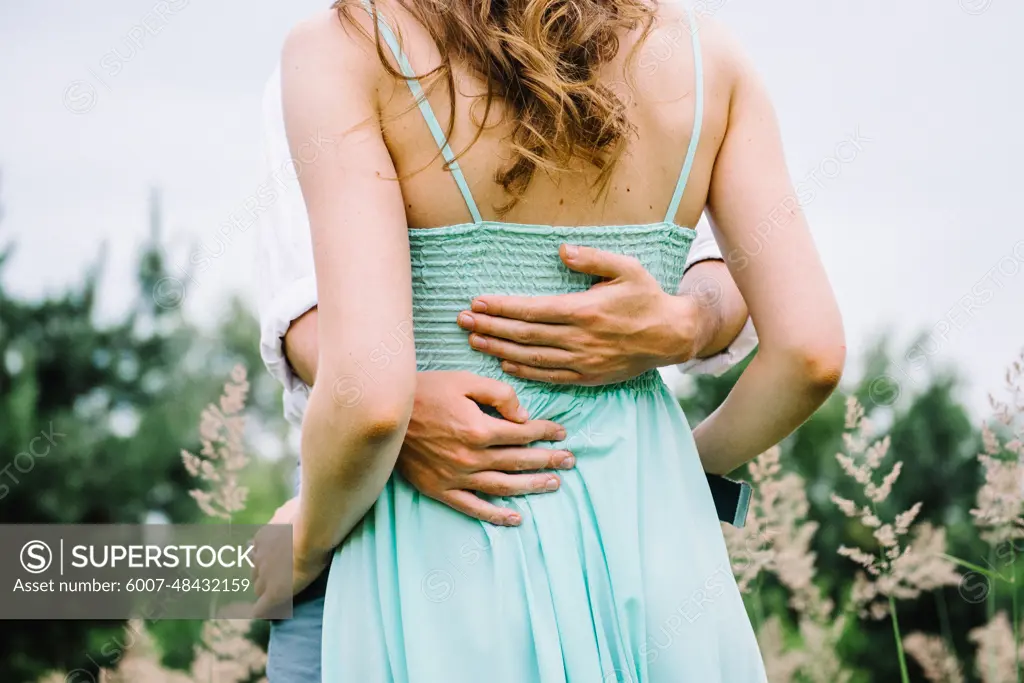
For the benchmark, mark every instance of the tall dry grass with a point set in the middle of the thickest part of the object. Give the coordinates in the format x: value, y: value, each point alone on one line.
x: 905, y: 560
x: 224, y: 654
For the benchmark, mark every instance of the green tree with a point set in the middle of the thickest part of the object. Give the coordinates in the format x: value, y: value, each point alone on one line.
x: 115, y: 403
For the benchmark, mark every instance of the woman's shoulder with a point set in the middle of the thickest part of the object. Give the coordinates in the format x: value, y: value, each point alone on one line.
x: 679, y: 25
x: 341, y: 38
x: 663, y: 62
x: 726, y: 52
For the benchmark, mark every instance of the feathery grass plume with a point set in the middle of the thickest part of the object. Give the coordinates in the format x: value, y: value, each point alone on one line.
x: 777, y: 540
x: 820, y: 638
x: 936, y: 661
x: 897, y: 570
x: 997, y: 656
x: 226, y: 656
x: 750, y: 552
x: 777, y: 537
x: 141, y: 662
x: 223, y: 455
x: 1001, y: 497
x: 781, y: 664
x: 998, y: 516
x: 901, y: 573
x: 226, y: 653
x: 1011, y: 412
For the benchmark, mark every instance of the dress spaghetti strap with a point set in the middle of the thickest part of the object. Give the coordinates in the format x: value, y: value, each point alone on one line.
x: 438, y: 132
x: 698, y: 120
x: 425, y: 109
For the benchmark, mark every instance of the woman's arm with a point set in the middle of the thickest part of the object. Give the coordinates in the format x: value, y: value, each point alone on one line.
x: 359, y: 407
x: 768, y: 247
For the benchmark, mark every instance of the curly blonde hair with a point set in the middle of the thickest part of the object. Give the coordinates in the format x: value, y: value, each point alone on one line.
x: 541, y: 58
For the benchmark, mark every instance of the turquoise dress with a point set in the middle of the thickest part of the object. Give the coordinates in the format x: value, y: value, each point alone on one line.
x: 621, y: 576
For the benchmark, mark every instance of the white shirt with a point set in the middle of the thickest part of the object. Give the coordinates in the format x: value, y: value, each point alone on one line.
x: 287, y: 282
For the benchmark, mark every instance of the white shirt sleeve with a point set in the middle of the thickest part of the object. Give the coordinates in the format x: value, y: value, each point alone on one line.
x: 705, y: 247
x: 286, y: 279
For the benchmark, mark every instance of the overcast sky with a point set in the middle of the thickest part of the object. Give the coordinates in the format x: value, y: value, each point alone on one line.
x: 917, y: 224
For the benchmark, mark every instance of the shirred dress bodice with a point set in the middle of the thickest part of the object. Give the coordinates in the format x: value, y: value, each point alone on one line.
x: 452, y: 265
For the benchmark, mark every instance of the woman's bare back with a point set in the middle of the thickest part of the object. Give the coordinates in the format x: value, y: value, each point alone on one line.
x: 656, y: 83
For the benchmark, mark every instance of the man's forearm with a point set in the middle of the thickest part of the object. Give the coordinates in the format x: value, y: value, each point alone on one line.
x: 722, y: 312
x: 301, y: 346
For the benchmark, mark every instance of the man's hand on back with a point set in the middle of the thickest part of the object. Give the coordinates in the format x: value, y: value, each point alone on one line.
x: 454, y: 450
x: 619, y: 328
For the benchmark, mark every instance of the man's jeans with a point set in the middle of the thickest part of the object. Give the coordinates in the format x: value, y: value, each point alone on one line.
x: 293, y: 655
